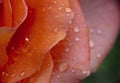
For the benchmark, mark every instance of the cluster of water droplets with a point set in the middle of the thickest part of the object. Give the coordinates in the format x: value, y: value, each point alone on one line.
x: 92, y: 43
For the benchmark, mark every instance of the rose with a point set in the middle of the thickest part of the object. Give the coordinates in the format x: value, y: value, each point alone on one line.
x: 11, y: 18
x: 22, y: 61
x: 94, y: 12
x: 26, y: 51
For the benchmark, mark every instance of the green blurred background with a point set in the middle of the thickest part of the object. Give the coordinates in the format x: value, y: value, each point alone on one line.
x: 109, y: 72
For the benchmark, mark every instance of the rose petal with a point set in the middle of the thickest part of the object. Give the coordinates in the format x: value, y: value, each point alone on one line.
x: 5, y: 35
x: 43, y: 75
x: 6, y: 32
x: 5, y: 14
x: 71, y: 55
x: 103, y: 19
x: 19, y: 12
x: 35, y: 37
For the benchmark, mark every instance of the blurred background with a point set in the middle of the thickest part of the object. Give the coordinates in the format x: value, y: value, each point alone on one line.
x: 109, y: 71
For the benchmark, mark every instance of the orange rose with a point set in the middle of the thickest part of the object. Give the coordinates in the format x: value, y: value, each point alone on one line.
x: 44, y: 41
x: 35, y: 37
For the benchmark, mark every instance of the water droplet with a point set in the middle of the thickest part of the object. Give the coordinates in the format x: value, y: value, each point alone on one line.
x: 74, y: 58
x: 69, y: 44
x: 56, y: 30
x: 76, y: 29
x: 63, y: 66
x: 78, y: 15
x: 12, y: 48
x: 13, y: 75
x: 49, y: 7
x: 43, y: 9
x: 57, y: 16
x: 98, y: 55
x: 67, y: 49
x: 68, y: 10
x: 60, y: 8
x: 27, y: 39
x: 6, y: 74
x: 62, y: 4
x: 91, y: 30
x: 3, y: 73
x: 58, y: 76
x: 55, y: 1
x: 22, y: 74
x: 70, y: 21
x: 73, y: 71
x: 86, y: 72
x: 91, y: 43
x: 68, y: 14
x: 77, y: 39
x: 99, y: 31
x: 30, y: 51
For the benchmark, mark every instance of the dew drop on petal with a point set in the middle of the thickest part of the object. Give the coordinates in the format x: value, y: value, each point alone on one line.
x: 99, y: 31
x: 6, y: 74
x: 43, y: 9
x: 74, y: 58
x: 86, y: 72
x: 67, y: 49
x: 56, y: 30
x: 73, y: 71
x: 49, y: 7
x: 68, y: 14
x: 91, y: 30
x: 3, y: 73
x: 13, y: 75
x: 68, y: 10
x: 58, y: 76
x: 77, y: 39
x: 76, y: 29
x: 69, y: 44
x: 91, y: 43
x: 12, y: 48
x: 60, y: 8
x: 62, y: 4
x: 70, y: 21
x: 55, y: 1
x: 22, y: 74
x: 98, y: 55
x: 63, y: 67
x: 26, y: 39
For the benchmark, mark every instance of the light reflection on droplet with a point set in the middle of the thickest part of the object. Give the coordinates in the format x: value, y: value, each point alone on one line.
x: 67, y: 49
x: 76, y: 29
x: 63, y: 66
x: 58, y: 76
x: 13, y: 75
x: 73, y: 71
x: 98, y: 55
x: 91, y: 43
x: 26, y: 38
x: 68, y: 10
x: 86, y: 72
x: 50, y: 7
x: 77, y: 39
x: 99, y: 31
x: 22, y: 73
